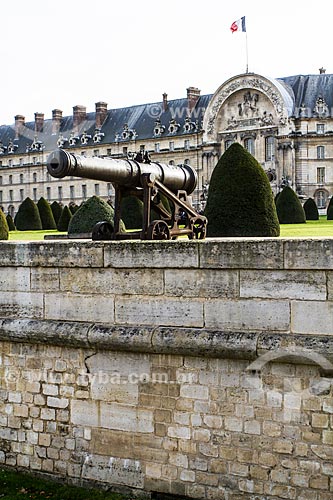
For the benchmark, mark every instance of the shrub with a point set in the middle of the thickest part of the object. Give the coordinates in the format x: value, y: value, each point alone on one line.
x: 46, y: 214
x: 240, y: 200
x: 73, y: 208
x: 64, y: 219
x: 329, y: 211
x: 56, y: 210
x: 132, y: 212
x: 311, y: 210
x: 4, y: 230
x: 27, y: 217
x: 90, y: 212
x: 10, y: 222
x: 289, y: 208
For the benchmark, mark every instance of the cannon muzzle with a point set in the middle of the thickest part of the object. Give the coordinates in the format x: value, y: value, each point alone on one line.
x: 124, y: 172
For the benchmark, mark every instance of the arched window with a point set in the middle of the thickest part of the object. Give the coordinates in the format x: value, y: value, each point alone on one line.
x: 321, y: 198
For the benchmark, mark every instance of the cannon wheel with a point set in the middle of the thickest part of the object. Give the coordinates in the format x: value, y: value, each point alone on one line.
x: 102, y: 231
x: 198, y: 226
x: 158, y: 230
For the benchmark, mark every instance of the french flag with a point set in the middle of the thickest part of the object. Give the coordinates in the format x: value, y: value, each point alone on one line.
x: 238, y: 25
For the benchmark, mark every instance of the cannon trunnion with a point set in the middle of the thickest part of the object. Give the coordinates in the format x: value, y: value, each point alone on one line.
x: 146, y: 180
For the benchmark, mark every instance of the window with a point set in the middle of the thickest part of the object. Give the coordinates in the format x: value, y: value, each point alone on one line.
x: 21, y: 162
x: 320, y: 175
x: 83, y: 153
x: 320, y: 152
x: 227, y: 144
x: 21, y: 194
x: 34, y: 160
x: 72, y: 192
x: 59, y: 193
x: 187, y: 144
x: 249, y: 145
x: 11, y: 195
x: 0, y: 179
x: 171, y: 145
x: 321, y: 198
x: 157, y: 147
x: 10, y: 163
x: 48, y: 193
x: 97, y: 189
x: 109, y: 188
x: 320, y: 128
x: 34, y: 192
x: 269, y: 148
x: 21, y: 178
x: 84, y: 191
x: 171, y: 162
x: 125, y: 150
x: 187, y: 161
x: 1, y: 196
x: 108, y: 151
x: 96, y: 152
x: 10, y: 179
x: 34, y: 177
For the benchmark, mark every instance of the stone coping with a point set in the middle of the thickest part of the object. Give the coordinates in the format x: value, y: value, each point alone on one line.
x: 218, y: 253
x: 259, y: 347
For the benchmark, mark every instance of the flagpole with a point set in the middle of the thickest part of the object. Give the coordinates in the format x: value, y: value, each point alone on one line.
x: 247, y: 53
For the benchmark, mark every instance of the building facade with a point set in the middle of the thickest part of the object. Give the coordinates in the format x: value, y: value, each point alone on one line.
x: 285, y: 123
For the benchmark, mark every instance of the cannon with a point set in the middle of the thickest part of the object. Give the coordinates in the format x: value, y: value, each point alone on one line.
x: 146, y: 180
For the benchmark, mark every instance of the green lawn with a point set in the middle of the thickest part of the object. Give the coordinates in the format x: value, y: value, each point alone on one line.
x: 30, y: 235
x: 18, y: 486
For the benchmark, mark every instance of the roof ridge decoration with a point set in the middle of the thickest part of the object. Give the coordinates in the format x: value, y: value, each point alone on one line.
x: 247, y: 82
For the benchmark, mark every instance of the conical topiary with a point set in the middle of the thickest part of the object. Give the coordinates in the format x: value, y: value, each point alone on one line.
x: 132, y: 212
x: 4, y: 230
x: 90, y: 212
x: 73, y: 208
x: 311, y: 210
x: 64, y: 219
x: 46, y: 214
x: 56, y: 210
x: 10, y: 222
x: 240, y: 200
x: 329, y: 211
x: 27, y: 217
x: 289, y: 208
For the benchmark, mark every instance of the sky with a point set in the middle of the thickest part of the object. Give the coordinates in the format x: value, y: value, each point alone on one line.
x: 58, y: 54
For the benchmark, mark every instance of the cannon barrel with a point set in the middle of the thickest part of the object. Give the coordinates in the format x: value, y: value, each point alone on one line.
x: 124, y: 172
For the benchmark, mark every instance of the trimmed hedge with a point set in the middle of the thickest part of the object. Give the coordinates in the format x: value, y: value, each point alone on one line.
x: 329, y: 212
x: 240, y: 200
x: 4, y: 230
x: 311, y: 210
x: 46, y: 214
x: 132, y: 212
x: 27, y: 217
x: 10, y: 223
x: 65, y: 218
x: 289, y: 208
x: 56, y: 210
x: 90, y: 212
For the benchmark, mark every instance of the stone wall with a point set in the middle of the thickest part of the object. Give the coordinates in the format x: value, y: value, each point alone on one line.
x: 192, y: 368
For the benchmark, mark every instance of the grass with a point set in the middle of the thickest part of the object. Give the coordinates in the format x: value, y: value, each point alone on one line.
x: 30, y: 235
x: 18, y: 486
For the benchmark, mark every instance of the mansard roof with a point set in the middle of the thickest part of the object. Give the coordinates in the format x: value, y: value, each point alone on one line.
x: 307, y: 90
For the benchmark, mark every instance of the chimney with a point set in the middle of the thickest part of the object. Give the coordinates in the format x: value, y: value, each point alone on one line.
x: 19, y: 125
x: 193, y: 95
x: 322, y: 71
x: 79, y: 116
x: 101, y: 113
x: 165, y: 102
x: 56, y: 121
x: 39, y: 122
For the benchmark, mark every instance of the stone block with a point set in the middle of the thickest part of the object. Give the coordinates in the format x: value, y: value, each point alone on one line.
x: 158, y: 311
x: 244, y: 315
x: 162, y: 254
x: 308, y: 254
x: 126, y: 418
x: 301, y: 285
x: 320, y: 321
x: 79, y: 308
x: 15, y: 279
x: 112, y: 281
x: 113, y: 470
x: 84, y: 413
x: 194, y: 391
x: 206, y: 283
x: 44, y: 279
x: 21, y: 305
x: 244, y: 253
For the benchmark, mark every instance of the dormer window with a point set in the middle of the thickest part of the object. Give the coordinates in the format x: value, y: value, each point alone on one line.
x: 159, y: 128
x: 98, y: 136
x: 85, y: 138
x: 189, y: 126
x: 61, y: 141
x: 36, y: 145
x: 173, y: 127
x: 128, y: 133
x: 2, y: 148
x: 12, y: 147
x: 321, y: 108
x: 73, y: 139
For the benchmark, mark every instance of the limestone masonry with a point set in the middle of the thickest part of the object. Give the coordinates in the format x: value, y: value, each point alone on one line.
x: 201, y: 369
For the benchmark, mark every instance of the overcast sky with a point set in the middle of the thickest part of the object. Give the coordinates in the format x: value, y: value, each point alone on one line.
x: 57, y: 54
